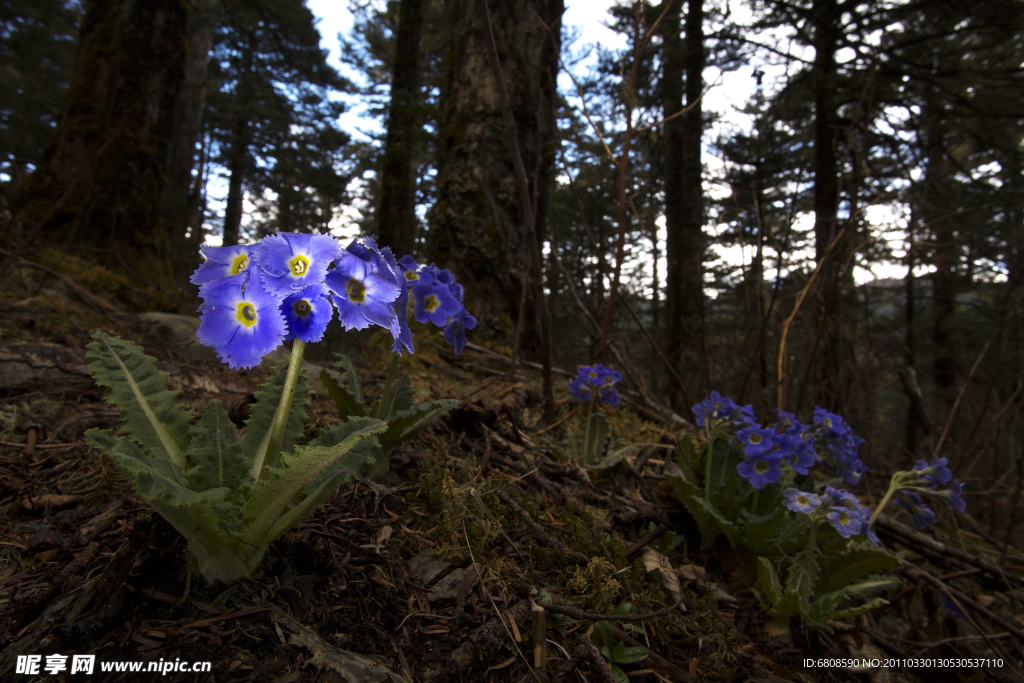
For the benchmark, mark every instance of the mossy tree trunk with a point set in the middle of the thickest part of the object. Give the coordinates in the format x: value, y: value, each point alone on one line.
x: 476, y: 226
x: 106, y: 165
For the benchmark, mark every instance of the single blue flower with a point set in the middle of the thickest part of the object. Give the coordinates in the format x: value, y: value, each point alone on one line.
x: 830, y: 421
x: 455, y: 329
x: 581, y: 390
x: 242, y: 326
x: 433, y: 302
x: 756, y: 440
x: 307, y: 313
x: 364, y: 288
x: 227, y: 267
x: 804, y: 456
x: 294, y: 260
x: 761, y: 469
x: 936, y: 473
x: 610, y: 397
x: 798, y: 501
x: 919, y: 512
x: 410, y: 269
x: 787, y: 423
x: 847, y: 522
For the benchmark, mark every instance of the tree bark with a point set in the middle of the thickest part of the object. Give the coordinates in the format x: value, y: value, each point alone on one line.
x: 186, y: 128
x: 106, y: 165
x: 684, y: 196
x: 238, y: 159
x: 397, y: 223
x: 476, y: 222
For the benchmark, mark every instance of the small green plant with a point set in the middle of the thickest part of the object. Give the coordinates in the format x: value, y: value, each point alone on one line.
x: 752, y: 485
x: 232, y: 496
x: 405, y: 420
x: 614, y: 650
x: 229, y: 496
x: 589, y: 445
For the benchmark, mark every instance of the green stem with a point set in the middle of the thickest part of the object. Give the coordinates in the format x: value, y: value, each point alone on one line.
x: 268, y: 456
x: 895, y: 485
x: 707, y: 465
x: 379, y: 412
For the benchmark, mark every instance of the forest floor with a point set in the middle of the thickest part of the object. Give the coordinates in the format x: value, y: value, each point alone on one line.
x: 480, y: 539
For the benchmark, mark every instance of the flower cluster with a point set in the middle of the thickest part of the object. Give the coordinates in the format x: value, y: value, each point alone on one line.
x: 598, y: 382
x: 717, y: 408
x: 926, y: 479
x: 841, y: 508
x: 287, y: 286
x: 437, y: 297
x: 842, y: 445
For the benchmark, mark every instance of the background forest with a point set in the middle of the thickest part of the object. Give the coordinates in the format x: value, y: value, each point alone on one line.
x: 884, y: 135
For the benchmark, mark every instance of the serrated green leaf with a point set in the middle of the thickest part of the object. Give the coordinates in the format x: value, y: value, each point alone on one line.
x: 133, y: 382
x: 629, y: 655
x: 595, y: 435
x: 860, y: 609
x: 258, y: 426
x: 215, y: 457
x: 865, y: 588
x: 397, y: 397
x: 408, y: 423
x: 769, y: 581
x: 611, y: 459
x: 312, y: 468
x: 162, y: 484
x: 855, y: 565
x: 728, y: 529
x: 349, y: 380
x: 687, y: 493
x: 346, y: 403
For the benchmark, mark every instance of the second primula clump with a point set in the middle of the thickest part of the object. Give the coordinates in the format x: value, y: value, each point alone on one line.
x: 287, y: 286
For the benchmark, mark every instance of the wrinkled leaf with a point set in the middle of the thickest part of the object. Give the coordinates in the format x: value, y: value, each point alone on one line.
x: 215, y: 457
x: 133, y: 382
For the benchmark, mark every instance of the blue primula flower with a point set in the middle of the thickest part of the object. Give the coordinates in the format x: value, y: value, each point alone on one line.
x: 227, y: 267
x: 847, y: 522
x: 295, y: 260
x: 610, y: 397
x: 364, y: 288
x: 455, y: 329
x: 242, y: 326
x: 434, y: 302
x: 307, y: 313
x: 761, y: 469
x: 756, y: 440
x: 715, y: 407
x: 936, y: 473
x: 798, y: 501
x: 920, y: 513
x: 581, y: 389
x: 596, y: 380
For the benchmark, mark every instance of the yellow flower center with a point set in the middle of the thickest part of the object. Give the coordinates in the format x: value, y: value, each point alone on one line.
x: 430, y: 303
x: 239, y: 264
x: 828, y: 422
x: 755, y: 438
x: 302, y: 308
x: 761, y: 467
x: 844, y: 518
x: 411, y: 275
x: 592, y: 375
x: 299, y: 265
x: 355, y: 290
x: 246, y: 313
x: 802, y: 500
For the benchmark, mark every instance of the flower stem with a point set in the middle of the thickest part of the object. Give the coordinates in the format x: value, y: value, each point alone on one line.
x: 284, y: 409
x: 895, y: 485
x: 707, y: 464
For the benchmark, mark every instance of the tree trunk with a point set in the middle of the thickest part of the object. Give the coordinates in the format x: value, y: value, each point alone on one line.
x: 476, y: 222
x: 106, y: 166
x: 397, y: 216
x: 238, y: 159
x: 187, y: 125
x: 684, y: 196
